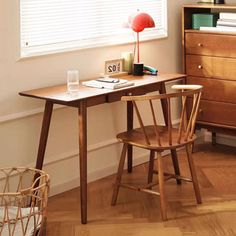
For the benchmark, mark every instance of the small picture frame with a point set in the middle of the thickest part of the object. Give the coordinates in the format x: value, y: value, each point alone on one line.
x: 114, y: 66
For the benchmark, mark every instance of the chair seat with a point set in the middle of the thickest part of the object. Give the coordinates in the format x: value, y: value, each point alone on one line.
x: 136, y: 137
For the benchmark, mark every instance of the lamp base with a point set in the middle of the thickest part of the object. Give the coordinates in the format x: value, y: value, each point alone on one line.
x: 138, y: 69
x: 219, y: 1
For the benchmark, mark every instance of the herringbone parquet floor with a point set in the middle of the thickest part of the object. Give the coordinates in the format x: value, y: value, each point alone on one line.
x: 139, y: 213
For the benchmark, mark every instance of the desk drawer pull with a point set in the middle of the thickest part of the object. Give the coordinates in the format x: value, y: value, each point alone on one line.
x: 199, y: 66
x: 129, y: 94
x: 200, y: 45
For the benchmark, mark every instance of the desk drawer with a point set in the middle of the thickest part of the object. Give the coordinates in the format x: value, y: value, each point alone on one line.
x: 116, y: 96
x: 211, y: 44
x: 217, y: 112
x: 215, y: 89
x: 217, y: 67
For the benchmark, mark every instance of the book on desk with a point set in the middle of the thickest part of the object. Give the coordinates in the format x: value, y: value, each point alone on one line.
x: 108, y: 83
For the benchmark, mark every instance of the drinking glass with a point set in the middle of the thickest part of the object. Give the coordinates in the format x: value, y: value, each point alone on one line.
x: 72, y: 81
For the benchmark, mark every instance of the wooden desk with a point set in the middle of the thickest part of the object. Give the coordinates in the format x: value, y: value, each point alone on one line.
x: 90, y: 97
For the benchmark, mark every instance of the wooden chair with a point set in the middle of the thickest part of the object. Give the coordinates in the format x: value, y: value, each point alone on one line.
x: 157, y: 138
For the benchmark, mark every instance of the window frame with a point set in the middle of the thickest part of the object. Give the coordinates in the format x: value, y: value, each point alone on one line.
x: 70, y: 47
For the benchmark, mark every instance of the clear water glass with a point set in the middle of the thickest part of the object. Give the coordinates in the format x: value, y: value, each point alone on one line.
x: 72, y: 81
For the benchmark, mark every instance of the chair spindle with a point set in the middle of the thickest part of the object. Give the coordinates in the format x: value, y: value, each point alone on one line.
x: 169, y: 121
x: 155, y: 123
x: 182, y: 119
x: 141, y: 122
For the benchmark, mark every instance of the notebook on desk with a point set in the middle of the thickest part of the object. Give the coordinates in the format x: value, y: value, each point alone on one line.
x: 112, y: 83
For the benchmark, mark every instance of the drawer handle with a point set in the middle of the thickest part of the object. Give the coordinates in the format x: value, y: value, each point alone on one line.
x: 199, y: 44
x: 129, y: 94
x: 199, y: 66
x: 200, y: 111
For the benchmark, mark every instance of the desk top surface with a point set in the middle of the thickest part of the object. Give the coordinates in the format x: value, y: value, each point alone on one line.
x: 58, y: 93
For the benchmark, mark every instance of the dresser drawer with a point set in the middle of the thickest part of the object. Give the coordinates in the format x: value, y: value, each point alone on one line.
x: 215, y: 89
x: 210, y: 44
x: 217, y: 67
x: 217, y: 112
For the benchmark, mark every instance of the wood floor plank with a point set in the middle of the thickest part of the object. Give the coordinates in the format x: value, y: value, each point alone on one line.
x: 139, y: 213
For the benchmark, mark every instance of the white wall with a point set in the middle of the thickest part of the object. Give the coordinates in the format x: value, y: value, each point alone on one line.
x: 20, y: 117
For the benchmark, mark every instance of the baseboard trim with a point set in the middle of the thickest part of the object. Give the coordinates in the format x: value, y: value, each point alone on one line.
x: 75, y: 153
x: 111, y: 169
x: 221, y: 139
x: 98, y: 174
x: 71, y: 154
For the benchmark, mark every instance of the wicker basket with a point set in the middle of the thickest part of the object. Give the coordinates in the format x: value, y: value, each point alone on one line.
x: 23, y: 201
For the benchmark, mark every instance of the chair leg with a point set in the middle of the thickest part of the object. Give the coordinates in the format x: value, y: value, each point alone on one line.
x: 175, y: 164
x: 193, y: 145
x: 213, y: 138
x: 161, y: 186
x: 119, y: 175
x: 193, y: 174
x: 151, y: 166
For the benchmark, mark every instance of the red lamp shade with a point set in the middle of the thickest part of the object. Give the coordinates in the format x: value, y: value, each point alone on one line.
x: 138, y: 23
x: 142, y: 21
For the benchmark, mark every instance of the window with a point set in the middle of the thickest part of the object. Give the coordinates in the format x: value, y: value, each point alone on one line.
x: 49, y: 26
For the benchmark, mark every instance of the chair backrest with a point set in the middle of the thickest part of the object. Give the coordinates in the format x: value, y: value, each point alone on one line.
x: 190, y: 94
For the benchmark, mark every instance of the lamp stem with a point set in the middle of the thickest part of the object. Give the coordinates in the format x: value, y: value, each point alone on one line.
x: 138, y: 45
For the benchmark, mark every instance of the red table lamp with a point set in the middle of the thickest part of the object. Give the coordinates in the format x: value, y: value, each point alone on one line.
x: 140, y: 22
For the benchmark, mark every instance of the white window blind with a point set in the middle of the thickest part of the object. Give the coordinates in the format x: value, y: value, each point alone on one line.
x: 49, y: 26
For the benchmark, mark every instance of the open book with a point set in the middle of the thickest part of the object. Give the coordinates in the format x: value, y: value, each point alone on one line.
x: 111, y: 83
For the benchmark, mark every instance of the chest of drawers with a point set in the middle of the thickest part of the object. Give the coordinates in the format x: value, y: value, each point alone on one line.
x: 210, y: 60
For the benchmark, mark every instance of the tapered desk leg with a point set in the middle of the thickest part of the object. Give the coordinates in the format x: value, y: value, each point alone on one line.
x: 129, y: 127
x: 173, y: 151
x: 82, y: 119
x: 44, y: 134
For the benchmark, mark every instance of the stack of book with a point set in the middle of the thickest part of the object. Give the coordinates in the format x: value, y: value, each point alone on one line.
x: 227, y: 21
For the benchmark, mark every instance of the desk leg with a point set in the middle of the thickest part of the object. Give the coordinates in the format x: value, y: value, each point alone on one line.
x: 213, y: 138
x: 130, y: 116
x: 82, y: 119
x: 173, y: 151
x: 44, y: 134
